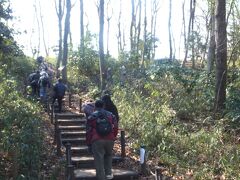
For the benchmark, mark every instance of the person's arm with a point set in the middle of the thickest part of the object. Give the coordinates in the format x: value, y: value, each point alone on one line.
x: 89, y: 130
x: 115, y: 124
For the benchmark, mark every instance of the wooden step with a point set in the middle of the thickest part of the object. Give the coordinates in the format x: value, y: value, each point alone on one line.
x: 72, y: 128
x: 120, y: 174
x: 74, y: 141
x: 68, y: 122
x: 80, y: 151
x: 72, y: 134
x: 69, y: 116
x: 88, y: 161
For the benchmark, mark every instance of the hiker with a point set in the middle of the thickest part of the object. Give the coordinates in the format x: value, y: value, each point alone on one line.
x: 33, y: 80
x: 110, y: 106
x: 123, y: 74
x: 101, y: 131
x: 88, y: 107
x: 43, y: 85
x: 59, y: 90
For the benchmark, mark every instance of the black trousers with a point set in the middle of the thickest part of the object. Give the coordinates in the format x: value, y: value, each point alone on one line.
x: 59, y: 99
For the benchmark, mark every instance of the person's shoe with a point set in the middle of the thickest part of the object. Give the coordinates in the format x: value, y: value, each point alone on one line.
x: 109, y: 176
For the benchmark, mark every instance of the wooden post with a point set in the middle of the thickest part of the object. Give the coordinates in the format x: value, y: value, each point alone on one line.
x: 158, y: 173
x: 70, y: 167
x: 123, y: 151
x: 68, y: 153
x: 59, y: 142
x: 55, y: 129
x: 69, y: 173
x: 80, y: 105
x: 143, y: 161
x: 52, y: 113
x: 69, y: 100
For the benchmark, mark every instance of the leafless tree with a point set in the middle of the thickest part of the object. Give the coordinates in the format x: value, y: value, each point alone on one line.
x: 155, y: 5
x: 43, y: 30
x: 109, y: 17
x: 170, y: 30
x: 65, y: 39
x: 82, y: 27
x: 221, y: 55
x: 59, y: 7
x: 212, y: 44
x: 101, y: 46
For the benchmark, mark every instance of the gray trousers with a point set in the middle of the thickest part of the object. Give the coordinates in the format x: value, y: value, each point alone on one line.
x: 102, y: 153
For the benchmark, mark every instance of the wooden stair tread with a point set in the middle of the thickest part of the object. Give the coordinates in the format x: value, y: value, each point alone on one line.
x: 72, y: 132
x: 91, y: 173
x: 69, y: 116
x: 72, y: 127
x: 90, y: 158
x: 74, y: 139
x: 72, y: 120
x: 79, y: 147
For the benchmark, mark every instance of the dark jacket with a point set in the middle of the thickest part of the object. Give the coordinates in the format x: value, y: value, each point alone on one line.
x: 92, y: 135
x: 59, y: 89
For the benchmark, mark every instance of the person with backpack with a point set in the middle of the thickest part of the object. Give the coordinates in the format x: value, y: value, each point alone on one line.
x: 43, y: 85
x: 59, y: 90
x: 101, y: 132
x: 33, y: 81
x: 109, y: 105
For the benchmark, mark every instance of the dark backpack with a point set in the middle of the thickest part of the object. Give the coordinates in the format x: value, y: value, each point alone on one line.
x: 44, y: 81
x: 103, y: 125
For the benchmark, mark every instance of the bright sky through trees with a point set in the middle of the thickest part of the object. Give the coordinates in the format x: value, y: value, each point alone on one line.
x: 27, y: 24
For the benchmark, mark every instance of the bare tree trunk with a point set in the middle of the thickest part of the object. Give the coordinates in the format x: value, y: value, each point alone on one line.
x: 65, y: 40
x: 139, y: 25
x: 133, y: 25
x: 82, y: 28
x: 193, y: 42
x: 145, y: 35
x: 184, y: 29
x: 190, y: 25
x: 38, y: 26
x: 101, y: 46
x: 212, y: 43
x: 221, y: 55
x: 60, y: 12
x: 154, y: 9
x: 119, y: 36
x: 43, y: 30
x: 108, y: 26
x: 170, y: 31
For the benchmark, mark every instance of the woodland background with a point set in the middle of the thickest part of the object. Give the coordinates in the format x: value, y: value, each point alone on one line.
x: 185, y: 111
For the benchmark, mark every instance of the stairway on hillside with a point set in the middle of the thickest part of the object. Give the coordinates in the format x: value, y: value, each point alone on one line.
x: 70, y: 132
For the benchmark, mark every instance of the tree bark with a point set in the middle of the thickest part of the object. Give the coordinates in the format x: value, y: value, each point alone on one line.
x: 60, y: 13
x: 109, y: 17
x: 43, y: 30
x: 119, y: 35
x: 212, y: 43
x: 144, y: 36
x: 82, y: 28
x: 170, y: 30
x: 221, y: 55
x: 65, y: 40
x: 101, y: 46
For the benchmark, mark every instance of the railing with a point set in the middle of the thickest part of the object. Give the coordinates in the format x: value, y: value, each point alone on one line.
x: 69, y: 166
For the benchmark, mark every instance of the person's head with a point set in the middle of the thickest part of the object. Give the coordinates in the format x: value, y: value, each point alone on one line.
x: 99, y: 104
x: 106, y: 98
x: 60, y: 80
